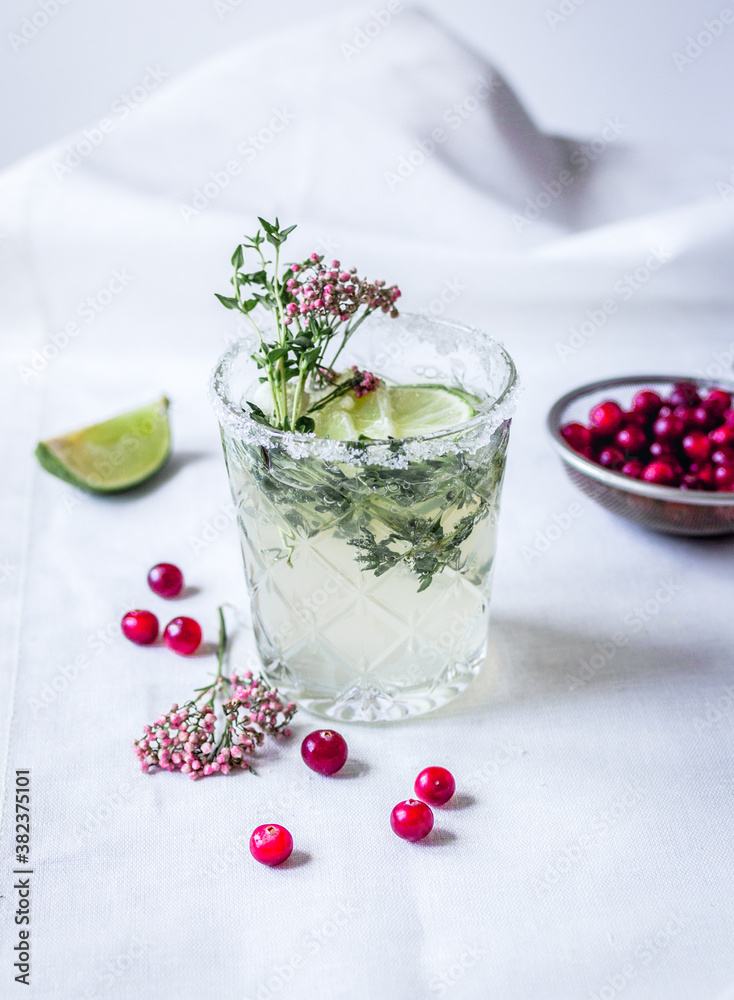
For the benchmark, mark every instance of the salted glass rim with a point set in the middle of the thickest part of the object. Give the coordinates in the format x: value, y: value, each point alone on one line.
x: 468, y: 436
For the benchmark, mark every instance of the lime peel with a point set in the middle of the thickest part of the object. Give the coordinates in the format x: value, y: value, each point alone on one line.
x: 114, y: 455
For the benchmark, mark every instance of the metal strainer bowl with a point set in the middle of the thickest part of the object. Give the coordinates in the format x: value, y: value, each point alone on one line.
x: 661, y: 508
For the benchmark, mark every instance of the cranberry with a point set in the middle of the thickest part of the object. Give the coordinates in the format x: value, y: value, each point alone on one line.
x: 636, y: 417
x: 659, y: 449
x: 166, y: 580
x: 607, y: 417
x: 271, y: 844
x: 707, y: 476
x: 411, y: 820
x: 729, y: 418
x: 697, y: 446
x: 611, y: 458
x: 647, y: 402
x: 576, y: 436
x: 324, y: 751
x: 691, y: 482
x: 140, y: 627
x: 183, y: 636
x: 686, y: 415
x: 631, y: 439
x: 633, y: 468
x: 704, y: 419
x: 723, y: 456
x: 718, y: 401
x: 667, y: 428
x: 665, y: 411
x: 724, y: 477
x: 435, y: 785
x: 685, y: 394
x: 722, y: 435
x: 659, y: 473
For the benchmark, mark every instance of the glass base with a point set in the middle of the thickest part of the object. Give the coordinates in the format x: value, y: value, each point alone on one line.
x: 368, y: 702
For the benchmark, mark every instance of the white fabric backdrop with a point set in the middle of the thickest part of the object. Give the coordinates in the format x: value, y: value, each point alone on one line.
x: 591, y: 855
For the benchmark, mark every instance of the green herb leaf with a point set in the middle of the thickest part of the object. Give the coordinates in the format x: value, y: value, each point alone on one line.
x: 305, y: 424
x: 238, y: 258
x: 227, y: 302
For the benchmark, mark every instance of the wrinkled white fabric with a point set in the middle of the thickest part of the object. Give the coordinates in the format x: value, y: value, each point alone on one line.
x: 589, y: 854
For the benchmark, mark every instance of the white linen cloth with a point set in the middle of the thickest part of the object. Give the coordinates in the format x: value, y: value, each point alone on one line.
x: 589, y: 854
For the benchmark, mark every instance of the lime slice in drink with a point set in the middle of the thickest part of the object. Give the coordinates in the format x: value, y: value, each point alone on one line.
x: 395, y: 411
x: 112, y: 456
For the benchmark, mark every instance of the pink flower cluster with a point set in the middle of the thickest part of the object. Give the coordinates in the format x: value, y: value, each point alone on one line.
x: 367, y: 382
x: 183, y: 739
x: 335, y: 292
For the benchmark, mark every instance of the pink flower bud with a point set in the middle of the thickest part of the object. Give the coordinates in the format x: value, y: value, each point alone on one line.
x: 295, y: 268
x: 344, y: 276
x: 314, y: 258
x: 291, y: 308
x: 225, y: 768
x: 335, y: 263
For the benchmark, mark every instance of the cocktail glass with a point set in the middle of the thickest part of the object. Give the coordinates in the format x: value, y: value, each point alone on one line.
x: 369, y: 563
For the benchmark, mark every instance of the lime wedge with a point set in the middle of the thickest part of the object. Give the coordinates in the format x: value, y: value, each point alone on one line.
x: 395, y: 411
x: 112, y: 456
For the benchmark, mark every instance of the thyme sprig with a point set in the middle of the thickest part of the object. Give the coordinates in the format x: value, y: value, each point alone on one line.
x: 315, y: 308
